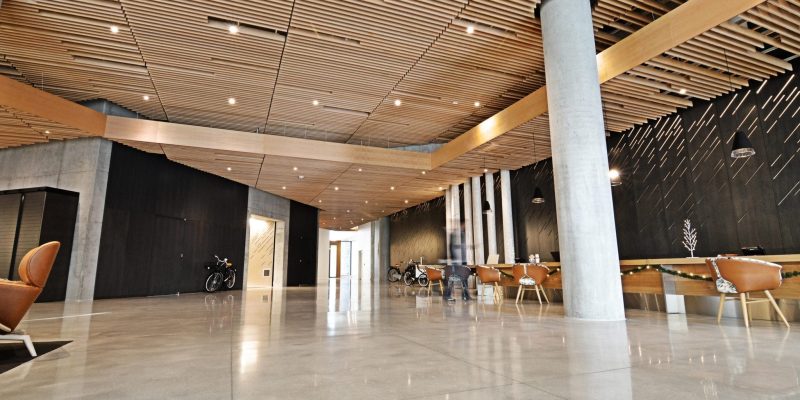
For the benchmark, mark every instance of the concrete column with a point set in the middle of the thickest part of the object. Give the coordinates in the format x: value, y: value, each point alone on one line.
x: 477, y: 220
x: 587, y: 238
x: 508, y: 219
x: 469, y: 243
x: 491, y: 230
x: 448, y: 215
x: 455, y: 208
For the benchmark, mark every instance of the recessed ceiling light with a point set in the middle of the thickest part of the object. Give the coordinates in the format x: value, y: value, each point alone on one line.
x: 334, y: 218
x: 320, y: 200
x: 441, y: 188
x: 146, y: 98
x: 477, y: 104
x: 229, y: 168
x: 470, y: 29
x: 294, y: 168
x: 233, y: 29
x: 284, y: 187
x: 366, y: 201
x: 406, y: 201
x: 423, y: 172
x: 335, y: 188
x: 47, y: 132
x: 231, y: 101
x: 359, y: 170
x: 348, y: 210
x: 391, y: 187
x: 362, y: 219
x: 383, y: 210
x: 682, y: 91
x: 314, y: 102
x: 301, y: 177
x: 397, y: 102
x: 455, y: 101
x: 114, y: 29
x: 486, y: 170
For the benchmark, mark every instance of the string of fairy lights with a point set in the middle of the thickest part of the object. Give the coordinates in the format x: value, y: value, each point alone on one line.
x: 664, y: 270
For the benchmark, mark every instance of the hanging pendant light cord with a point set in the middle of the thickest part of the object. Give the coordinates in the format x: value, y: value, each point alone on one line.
x: 728, y: 67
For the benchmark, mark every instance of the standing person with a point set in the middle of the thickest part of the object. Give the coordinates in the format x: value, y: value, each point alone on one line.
x: 456, y: 271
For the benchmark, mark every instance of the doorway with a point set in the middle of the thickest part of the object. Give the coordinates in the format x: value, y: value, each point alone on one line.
x: 265, y: 250
x: 340, y: 263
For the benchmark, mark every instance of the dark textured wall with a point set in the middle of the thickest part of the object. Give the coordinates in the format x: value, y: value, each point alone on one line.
x: 162, y: 223
x: 303, y: 236
x: 418, y: 232
x: 675, y: 168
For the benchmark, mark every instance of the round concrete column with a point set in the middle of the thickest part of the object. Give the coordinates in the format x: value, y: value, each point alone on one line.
x: 586, y: 234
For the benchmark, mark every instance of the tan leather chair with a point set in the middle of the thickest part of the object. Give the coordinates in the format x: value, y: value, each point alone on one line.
x: 529, y: 276
x: 435, y: 277
x: 738, y: 275
x: 16, y: 297
x: 490, y: 276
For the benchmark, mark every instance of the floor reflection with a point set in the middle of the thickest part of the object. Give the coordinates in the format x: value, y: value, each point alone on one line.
x: 358, y: 339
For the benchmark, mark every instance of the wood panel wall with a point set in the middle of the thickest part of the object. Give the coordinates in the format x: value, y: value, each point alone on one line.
x: 163, y: 222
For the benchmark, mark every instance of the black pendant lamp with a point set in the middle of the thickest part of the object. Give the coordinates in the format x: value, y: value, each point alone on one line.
x: 742, y: 148
x: 538, y: 197
x: 487, y: 208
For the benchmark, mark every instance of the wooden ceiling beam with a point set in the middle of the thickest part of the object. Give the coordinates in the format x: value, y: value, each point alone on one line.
x: 685, y: 22
x: 165, y: 133
x: 27, y: 99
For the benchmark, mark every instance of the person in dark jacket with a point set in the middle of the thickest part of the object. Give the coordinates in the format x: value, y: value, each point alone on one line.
x: 456, y: 271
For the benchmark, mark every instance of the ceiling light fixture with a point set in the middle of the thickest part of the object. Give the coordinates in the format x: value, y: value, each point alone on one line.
x: 47, y: 132
x: 455, y: 102
x: 682, y: 91
x: 335, y: 188
x: 114, y: 29
x: 294, y: 168
x: 487, y: 208
x: 301, y: 177
x: 405, y: 201
x: 229, y: 168
x: 359, y: 170
x: 233, y: 29
x: 742, y: 147
x: 423, y: 172
x: 320, y: 200
x: 470, y: 29
x: 231, y: 100
x: 366, y: 201
x: 146, y: 98
x: 477, y: 104
x: 391, y: 187
x: 441, y: 188
x: 283, y: 187
x: 314, y: 103
x: 397, y: 102
x: 538, y: 198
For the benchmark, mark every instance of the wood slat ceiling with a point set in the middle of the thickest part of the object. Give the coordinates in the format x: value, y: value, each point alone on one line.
x: 356, y: 58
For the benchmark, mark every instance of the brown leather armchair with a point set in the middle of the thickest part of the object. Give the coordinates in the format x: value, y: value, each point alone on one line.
x: 435, y: 277
x: 489, y: 276
x: 17, y: 297
x: 738, y: 275
x: 530, y: 275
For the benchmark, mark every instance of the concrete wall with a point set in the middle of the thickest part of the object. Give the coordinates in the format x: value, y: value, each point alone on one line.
x: 79, y: 165
x: 268, y: 205
x: 323, y: 256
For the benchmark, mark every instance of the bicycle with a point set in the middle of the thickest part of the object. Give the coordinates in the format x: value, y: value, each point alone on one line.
x: 409, y: 276
x: 393, y: 274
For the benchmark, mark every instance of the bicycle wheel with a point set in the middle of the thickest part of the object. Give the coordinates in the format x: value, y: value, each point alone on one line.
x: 408, y: 279
x: 394, y: 274
x: 422, y: 280
x: 231, y: 279
x: 213, y: 282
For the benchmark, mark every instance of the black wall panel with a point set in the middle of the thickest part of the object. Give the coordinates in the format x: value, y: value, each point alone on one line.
x: 162, y: 223
x: 303, y: 236
x: 418, y: 232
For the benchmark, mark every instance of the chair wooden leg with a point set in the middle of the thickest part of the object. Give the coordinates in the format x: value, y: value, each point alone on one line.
x: 721, y: 306
x: 775, y: 306
x: 22, y: 338
x: 544, y: 294
x: 746, y: 317
x: 519, y: 292
x: 538, y: 296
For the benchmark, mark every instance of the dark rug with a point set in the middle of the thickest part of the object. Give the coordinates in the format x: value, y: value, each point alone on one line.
x: 14, y: 354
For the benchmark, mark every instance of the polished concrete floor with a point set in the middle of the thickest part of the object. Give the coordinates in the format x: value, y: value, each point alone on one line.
x: 365, y: 341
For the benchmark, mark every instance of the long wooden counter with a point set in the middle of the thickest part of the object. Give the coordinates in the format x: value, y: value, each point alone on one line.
x: 653, y: 281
